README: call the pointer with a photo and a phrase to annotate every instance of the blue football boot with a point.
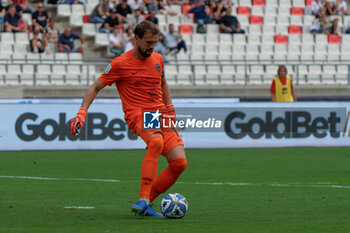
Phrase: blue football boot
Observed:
(150, 212)
(139, 208)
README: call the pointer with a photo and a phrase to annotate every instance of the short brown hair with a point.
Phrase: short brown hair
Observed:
(146, 26)
(282, 67)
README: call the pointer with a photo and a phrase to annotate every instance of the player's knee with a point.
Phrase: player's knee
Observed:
(178, 165)
(156, 144)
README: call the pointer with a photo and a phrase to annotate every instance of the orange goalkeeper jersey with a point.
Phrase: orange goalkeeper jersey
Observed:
(138, 81)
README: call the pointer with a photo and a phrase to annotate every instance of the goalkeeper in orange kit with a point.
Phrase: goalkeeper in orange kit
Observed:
(139, 78)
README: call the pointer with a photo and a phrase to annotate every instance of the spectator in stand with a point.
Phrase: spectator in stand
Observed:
(14, 22)
(2, 15)
(24, 5)
(19, 9)
(136, 4)
(66, 42)
(135, 18)
(173, 41)
(123, 10)
(201, 12)
(328, 25)
(40, 18)
(151, 5)
(110, 22)
(329, 8)
(219, 10)
(316, 26)
(39, 42)
(282, 87)
(348, 29)
(52, 32)
(129, 40)
(116, 42)
(164, 7)
(152, 17)
(230, 23)
(342, 8)
(159, 47)
(100, 12)
(316, 7)
(71, 2)
(112, 4)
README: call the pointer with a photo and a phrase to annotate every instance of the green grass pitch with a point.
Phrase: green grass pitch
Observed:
(276, 190)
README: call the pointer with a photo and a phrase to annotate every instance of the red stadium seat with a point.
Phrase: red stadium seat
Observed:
(294, 29)
(86, 18)
(186, 8)
(253, 19)
(281, 39)
(308, 2)
(297, 11)
(258, 2)
(186, 29)
(334, 39)
(243, 10)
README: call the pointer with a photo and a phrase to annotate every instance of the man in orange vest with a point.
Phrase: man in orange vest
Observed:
(282, 87)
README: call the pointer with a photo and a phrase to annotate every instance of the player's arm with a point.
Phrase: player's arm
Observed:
(91, 93)
(166, 92)
(79, 120)
(167, 100)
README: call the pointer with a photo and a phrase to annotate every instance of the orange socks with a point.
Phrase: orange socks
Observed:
(167, 177)
(149, 165)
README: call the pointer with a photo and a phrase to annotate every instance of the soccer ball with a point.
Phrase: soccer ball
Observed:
(174, 205)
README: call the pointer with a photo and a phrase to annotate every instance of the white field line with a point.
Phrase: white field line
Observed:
(317, 185)
(79, 207)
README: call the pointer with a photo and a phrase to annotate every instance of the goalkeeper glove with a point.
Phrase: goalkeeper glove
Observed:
(78, 121)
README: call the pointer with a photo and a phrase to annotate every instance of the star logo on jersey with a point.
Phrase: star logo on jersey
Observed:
(158, 67)
(151, 120)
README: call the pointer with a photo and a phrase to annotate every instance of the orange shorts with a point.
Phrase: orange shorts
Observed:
(171, 136)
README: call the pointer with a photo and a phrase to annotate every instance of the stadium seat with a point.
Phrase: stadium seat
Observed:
(101, 39)
(186, 8)
(33, 58)
(257, 10)
(88, 29)
(296, 20)
(243, 10)
(253, 19)
(63, 10)
(21, 38)
(294, 29)
(258, 2)
(7, 38)
(297, 11)
(283, 10)
(308, 2)
(173, 19)
(334, 39)
(86, 18)
(47, 58)
(285, 3)
(185, 20)
(186, 29)
(245, 3)
(76, 20)
(75, 58)
(281, 39)
(273, 3)
(61, 58)
(298, 3)
(27, 77)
